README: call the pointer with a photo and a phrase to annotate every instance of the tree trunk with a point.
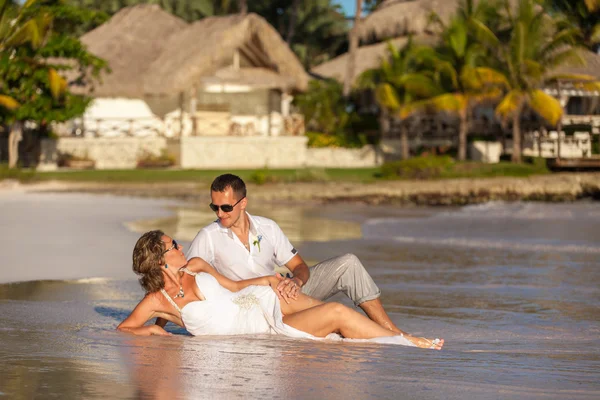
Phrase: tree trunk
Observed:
(516, 152)
(14, 137)
(404, 140)
(384, 122)
(353, 39)
(462, 138)
(558, 131)
(292, 26)
(243, 6)
(543, 133)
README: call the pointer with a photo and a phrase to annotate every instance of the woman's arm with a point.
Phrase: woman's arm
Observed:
(134, 323)
(199, 265)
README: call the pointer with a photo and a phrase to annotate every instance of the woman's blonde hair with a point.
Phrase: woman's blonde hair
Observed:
(148, 256)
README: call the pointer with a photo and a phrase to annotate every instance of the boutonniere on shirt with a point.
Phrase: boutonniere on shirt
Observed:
(257, 241)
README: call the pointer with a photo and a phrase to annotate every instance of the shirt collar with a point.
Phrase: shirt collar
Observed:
(253, 227)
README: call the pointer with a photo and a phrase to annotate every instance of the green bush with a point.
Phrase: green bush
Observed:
(147, 159)
(321, 140)
(417, 167)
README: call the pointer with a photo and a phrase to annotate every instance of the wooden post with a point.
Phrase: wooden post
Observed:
(269, 113)
(180, 114)
(353, 50)
(543, 132)
(193, 107)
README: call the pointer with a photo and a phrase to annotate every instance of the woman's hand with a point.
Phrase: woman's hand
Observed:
(148, 330)
(286, 288)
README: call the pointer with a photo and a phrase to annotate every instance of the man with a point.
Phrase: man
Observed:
(242, 246)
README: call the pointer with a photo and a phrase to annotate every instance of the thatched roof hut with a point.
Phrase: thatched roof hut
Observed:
(211, 44)
(395, 18)
(367, 57)
(130, 41)
(151, 52)
(590, 66)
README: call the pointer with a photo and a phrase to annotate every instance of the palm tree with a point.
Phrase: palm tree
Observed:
(536, 46)
(583, 15)
(353, 49)
(398, 83)
(26, 26)
(464, 72)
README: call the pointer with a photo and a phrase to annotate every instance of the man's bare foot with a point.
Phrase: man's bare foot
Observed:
(424, 343)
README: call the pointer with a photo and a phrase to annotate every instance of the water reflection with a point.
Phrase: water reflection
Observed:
(300, 224)
(154, 366)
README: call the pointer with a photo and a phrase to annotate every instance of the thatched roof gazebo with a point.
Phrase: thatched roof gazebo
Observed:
(237, 42)
(367, 57)
(395, 18)
(152, 52)
(130, 41)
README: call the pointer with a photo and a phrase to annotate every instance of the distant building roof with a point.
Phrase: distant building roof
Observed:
(153, 52)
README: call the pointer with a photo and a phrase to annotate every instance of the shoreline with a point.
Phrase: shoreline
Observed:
(564, 187)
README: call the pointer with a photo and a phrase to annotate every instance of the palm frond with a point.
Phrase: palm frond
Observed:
(592, 5)
(386, 96)
(475, 79)
(546, 106)
(57, 83)
(571, 77)
(569, 56)
(510, 104)
(483, 33)
(595, 35)
(488, 96)
(419, 85)
(8, 102)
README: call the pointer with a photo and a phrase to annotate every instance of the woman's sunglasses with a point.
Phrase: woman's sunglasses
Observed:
(225, 207)
(174, 246)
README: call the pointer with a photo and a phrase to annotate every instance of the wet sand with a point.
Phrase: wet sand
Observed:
(519, 321)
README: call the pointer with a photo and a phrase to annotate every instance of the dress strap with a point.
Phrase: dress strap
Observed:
(170, 300)
(187, 271)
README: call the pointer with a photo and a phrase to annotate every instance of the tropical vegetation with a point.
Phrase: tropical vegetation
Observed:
(491, 54)
(34, 63)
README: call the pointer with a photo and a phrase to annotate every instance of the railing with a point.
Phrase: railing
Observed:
(175, 125)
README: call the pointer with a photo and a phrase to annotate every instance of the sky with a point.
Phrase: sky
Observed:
(348, 5)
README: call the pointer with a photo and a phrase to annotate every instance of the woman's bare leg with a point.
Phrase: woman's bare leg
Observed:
(335, 317)
(303, 302)
(327, 318)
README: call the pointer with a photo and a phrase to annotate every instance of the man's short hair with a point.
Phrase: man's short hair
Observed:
(222, 182)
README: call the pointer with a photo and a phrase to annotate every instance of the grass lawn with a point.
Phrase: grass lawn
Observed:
(172, 175)
(415, 168)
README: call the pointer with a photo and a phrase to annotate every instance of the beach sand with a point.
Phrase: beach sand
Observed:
(519, 316)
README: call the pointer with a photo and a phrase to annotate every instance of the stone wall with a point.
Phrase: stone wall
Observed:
(201, 152)
(108, 153)
(242, 152)
(366, 156)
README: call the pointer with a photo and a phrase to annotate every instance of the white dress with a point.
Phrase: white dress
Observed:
(253, 310)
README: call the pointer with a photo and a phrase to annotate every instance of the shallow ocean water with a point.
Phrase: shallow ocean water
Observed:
(513, 288)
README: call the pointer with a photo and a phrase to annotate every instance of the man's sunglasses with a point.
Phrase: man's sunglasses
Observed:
(174, 246)
(225, 207)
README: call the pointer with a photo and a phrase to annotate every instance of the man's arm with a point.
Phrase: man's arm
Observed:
(289, 288)
(299, 269)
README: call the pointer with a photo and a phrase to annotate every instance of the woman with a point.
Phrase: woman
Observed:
(207, 303)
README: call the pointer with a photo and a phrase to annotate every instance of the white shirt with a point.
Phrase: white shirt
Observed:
(221, 248)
